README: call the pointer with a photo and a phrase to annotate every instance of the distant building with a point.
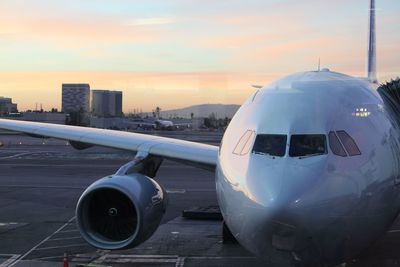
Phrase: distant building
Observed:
(75, 103)
(197, 123)
(109, 123)
(7, 106)
(75, 98)
(106, 103)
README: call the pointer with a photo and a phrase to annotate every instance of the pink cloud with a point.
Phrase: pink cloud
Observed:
(76, 33)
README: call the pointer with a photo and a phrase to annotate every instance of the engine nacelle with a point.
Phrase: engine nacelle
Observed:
(79, 145)
(120, 212)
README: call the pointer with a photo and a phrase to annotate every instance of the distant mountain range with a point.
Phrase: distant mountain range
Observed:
(205, 110)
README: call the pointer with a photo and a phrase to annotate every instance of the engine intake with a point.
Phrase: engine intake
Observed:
(120, 212)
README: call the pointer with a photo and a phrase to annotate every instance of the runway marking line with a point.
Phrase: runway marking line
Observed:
(65, 238)
(68, 231)
(17, 260)
(219, 258)
(12, 258)
(122, 259)
(66, 246)
(42, 187)
(48, 258)
(25, 154)
(111, 256)
(180, 262)
(16, 156)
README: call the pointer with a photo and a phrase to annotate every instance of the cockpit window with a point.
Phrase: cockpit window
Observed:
(341, 142)
(349, 143)
(306, 145)
(248, 144)
(243, 146)
(270, 144)
(335, 145)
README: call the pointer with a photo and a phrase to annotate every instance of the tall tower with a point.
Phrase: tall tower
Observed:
(372, 45)
(75, 97)
(106, 103)
(75, 102)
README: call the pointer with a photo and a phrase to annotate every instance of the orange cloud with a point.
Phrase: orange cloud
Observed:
(150, 21)
(141, 90)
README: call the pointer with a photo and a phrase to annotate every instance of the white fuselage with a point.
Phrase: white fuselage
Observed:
(325, 205)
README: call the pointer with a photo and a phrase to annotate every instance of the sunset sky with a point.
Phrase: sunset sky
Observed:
(175, 53)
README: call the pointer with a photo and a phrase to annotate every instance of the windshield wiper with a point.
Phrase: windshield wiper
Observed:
(264, 154)
(311, 155)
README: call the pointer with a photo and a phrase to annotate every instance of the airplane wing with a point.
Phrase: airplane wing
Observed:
(184, 151)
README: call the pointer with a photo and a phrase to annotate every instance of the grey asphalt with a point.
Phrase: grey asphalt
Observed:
(41, 183)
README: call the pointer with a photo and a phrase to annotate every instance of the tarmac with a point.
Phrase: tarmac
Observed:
(42, 179)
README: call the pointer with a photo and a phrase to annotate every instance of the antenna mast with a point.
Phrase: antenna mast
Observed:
(319, 64)
(372, 45)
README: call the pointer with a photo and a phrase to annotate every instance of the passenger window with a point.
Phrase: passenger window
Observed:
(335, 145)
(307, 145)
(270, 144)
(348, 143)
(242, 142)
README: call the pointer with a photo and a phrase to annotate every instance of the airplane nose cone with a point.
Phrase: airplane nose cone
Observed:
(277, 194)
(282, 185)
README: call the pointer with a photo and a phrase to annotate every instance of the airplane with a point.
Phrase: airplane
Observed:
(164, 123)
(169, 125)
(160, 124)
(308, 170)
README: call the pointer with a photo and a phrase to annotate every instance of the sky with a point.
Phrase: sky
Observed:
(177, 53)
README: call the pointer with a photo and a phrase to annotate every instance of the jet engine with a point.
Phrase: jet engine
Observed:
(120, 211)
(80, 145)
